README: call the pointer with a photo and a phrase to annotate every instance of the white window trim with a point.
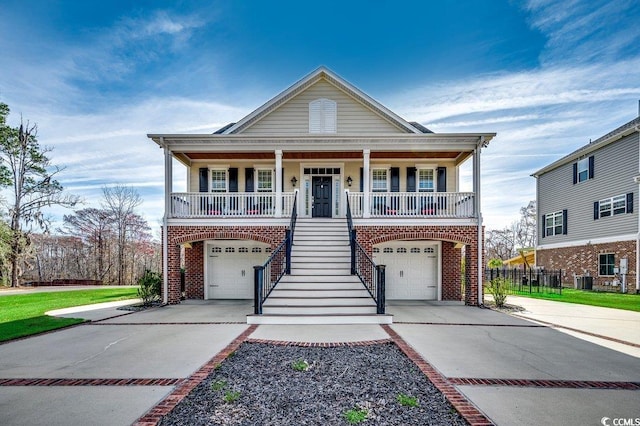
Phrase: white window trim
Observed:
(257, 179)
(388, 178)
(555, 215)
(583, 166)
(226, 179)
(610, 202)
(433, 180)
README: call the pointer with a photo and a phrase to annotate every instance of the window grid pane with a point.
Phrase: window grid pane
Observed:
(583, 170)
(425, 180)
(265, 181)
(379, 183)
(606, 264)
(553, 224)
(218, 180)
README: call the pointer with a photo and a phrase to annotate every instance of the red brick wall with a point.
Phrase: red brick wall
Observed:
(194, 271)
(194, 257)
(368, 236)
(451, 272)
(577, 260)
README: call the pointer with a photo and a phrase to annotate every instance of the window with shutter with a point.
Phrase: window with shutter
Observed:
(322, 116)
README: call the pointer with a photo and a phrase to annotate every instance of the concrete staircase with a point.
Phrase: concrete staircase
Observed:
(320, 289)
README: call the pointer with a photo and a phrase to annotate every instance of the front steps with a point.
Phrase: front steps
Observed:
(320, 289)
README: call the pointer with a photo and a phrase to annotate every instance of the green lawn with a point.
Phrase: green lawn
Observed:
(23, 314)
(629, 302)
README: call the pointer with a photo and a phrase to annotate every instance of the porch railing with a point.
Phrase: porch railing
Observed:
(414, 204)
(371, 275)
(229, 204)
(267, 276)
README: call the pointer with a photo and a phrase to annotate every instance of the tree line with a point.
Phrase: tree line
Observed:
(112, 244)
(506, 243)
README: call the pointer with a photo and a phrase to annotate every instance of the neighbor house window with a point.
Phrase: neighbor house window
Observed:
(218, 180)
(425, 180)
(553, 223)
(379, 180)
(322, 116)
(606, 264)
(265, 180)
(620, 204)
(583, 169)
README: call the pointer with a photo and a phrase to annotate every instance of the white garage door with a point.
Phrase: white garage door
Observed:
(230, 267)
(411, 269)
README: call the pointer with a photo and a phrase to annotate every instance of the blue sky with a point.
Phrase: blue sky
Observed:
(96, 77)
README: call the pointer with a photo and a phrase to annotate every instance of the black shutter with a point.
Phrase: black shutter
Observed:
(233, 179)
(543, 225)
(442, 179)
(564, 222)
(361, 179)
(591, 165)
(596, 210)
(411, 179)
(204, 179)
(248, 180)
(575, 173)
(282, 183)
(395, 179)
(630, 202)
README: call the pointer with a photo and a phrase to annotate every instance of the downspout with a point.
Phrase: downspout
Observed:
(165, 230)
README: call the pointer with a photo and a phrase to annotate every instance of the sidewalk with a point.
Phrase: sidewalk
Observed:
(613, 328)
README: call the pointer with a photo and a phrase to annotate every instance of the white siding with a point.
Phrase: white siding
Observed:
(293, 116)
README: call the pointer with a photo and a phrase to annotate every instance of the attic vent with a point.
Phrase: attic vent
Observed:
(322, 116)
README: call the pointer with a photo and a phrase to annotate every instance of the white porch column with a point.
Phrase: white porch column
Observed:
(476, 190)
(278, 183)
(366, 201)
(168, 182)
(168, 188)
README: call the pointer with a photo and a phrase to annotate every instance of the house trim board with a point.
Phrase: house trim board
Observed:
(584, 242)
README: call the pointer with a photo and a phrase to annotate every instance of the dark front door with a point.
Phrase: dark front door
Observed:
(321, 196)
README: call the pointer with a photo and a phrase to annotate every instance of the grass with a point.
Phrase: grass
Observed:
(356, 415)
(300, 365)
(407, 400)
(628, 302)
(23, 314)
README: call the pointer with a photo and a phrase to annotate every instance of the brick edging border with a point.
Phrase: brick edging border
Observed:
(320, 344)
(162, 408)
(91, 382)
(467, 410)
(543, 383)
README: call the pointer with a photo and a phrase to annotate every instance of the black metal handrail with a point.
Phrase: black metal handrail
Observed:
(371, 275)
(267, 276)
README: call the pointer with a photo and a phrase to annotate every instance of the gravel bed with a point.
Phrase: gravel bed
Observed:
(271, 392)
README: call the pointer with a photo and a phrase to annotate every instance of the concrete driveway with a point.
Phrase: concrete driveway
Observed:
(113, 370)
(153, 350)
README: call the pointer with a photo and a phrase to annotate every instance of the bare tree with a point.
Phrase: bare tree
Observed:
(527, 226)
(505, 243)
(93, 226)
(26, 167)
(121, 201)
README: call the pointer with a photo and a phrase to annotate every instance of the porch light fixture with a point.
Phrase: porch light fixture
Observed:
(349, 181)
(294, 181)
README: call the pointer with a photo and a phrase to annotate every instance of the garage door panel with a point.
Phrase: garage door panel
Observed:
(411, 269)
(230, 268)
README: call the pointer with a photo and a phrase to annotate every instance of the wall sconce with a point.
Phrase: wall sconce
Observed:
(349, 181)
(294, 181)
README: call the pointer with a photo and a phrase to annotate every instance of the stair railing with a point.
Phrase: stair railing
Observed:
(371, 275)
(268, 275)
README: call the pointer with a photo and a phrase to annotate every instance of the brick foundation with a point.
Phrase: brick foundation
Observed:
(194, 256)
(576, 260)
(368, 236)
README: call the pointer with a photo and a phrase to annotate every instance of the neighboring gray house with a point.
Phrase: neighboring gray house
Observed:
(588, 211)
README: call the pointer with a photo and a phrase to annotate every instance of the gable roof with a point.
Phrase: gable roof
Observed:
(613, 136)
(306, 82)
